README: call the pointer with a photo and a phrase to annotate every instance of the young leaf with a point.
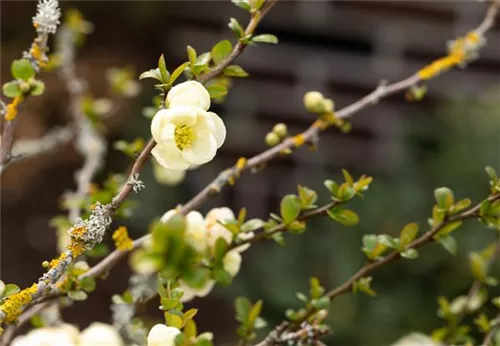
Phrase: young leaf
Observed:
(177, 72)
(348, 177)
(444, 197)
(37, 88)
(345, 217)
(11, 89)
(163, 69)
(10, 289)
(242, 4)
(22, 69)
(234, 71)
(478, 266)
(155, 74)
(221, 50)
(242, 306)
(252, 225)
(290, 208)
(265, 38)
(191, 55)
(408, 233)
(410, 254)
(173, 320)
(449, 243)
(77, 295)
(216, 90)
(236, 27)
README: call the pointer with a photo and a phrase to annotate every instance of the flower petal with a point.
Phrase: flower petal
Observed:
(204, 122)
(167, 133)
(159, 121)
(182, 115)
(190, 93)
(203, 149)
(220, 129)
(169, 157)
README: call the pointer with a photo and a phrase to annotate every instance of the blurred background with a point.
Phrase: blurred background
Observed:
(342, 48)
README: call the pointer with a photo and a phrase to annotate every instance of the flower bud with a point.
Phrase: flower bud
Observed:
(328, 105)
(280, 129)
(313, 101)
(272, 139)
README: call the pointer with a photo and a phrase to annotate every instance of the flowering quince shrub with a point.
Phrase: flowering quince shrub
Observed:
(185, 254)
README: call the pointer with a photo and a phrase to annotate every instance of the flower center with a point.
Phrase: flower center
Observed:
(183, 137)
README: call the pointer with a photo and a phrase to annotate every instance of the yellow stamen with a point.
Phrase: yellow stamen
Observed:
(183, 137)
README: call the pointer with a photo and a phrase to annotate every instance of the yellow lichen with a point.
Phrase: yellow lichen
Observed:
(241, 163)
(299, 140)
(122, 240)
(77, 248)
(11, 112)
(12, 305)
(459, 53)
(55, 261)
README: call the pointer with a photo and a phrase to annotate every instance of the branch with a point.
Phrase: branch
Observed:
(488, 339)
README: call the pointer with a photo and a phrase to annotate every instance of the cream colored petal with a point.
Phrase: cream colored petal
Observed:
(232, 262)
(205, 290)
(169, 157)
(220, 129)
(204, 122)
(161, 335)
(195, 231)
(157, 124)
(100, 334)
(182, 115)
(190, 93)
(244, 236)
(170, 177)
(168, 215)
(203, 149)
(167, 134)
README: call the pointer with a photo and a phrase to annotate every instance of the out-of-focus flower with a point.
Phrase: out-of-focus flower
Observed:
(195, 228)
(214, 228)
(167, 176)
(232, 262)
(314, 101)
(62, 335)
(161, 335)
(100, 334)
(185, 133)
(191, 293)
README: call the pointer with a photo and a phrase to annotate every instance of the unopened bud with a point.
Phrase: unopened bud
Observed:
(328, 105)
(272, 139)
(280, 129)
(313, 101)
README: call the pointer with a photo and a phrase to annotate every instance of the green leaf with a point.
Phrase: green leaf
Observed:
(321, 303)
(252, 225)
(460, 205)
(478, 266)
(449, 243)
(259, 323)
(10, 289)
(408, 233)
(221, 50)
(492, 174)
(177, 72)
(410, 254)
(242, 306)
(216, 90)
(242, 4)
(203, 59)
(444, 197)
(254, 313)
(236, 27)
(155, 74)
(364, 285)
(307, 197)
(265, 38)
(37, 88)
(163, 69)
(219, 250)
(347, 177)
(315, 288)
(235, 71)
(223, 277)
(173, 320)
(22, 69)
(290, 208)
(256, 4)
(189, 315)
(77, 295)
(345, 217)
(100, 250)
(191, 56)
(296, 227)
(88, 284)
(445, 230)
(11, 89)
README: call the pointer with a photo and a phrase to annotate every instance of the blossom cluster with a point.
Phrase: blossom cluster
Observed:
(202, 233)
(95, 334)
(186, 133)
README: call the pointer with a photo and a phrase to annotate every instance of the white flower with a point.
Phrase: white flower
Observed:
(195, 228)
(214, 228)
(63, 335)
(47, 16)
(167, 176)
(161, 335)
(185, 133)
(190, 93)
(100, 334)
(191, 293)
(232, 262)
